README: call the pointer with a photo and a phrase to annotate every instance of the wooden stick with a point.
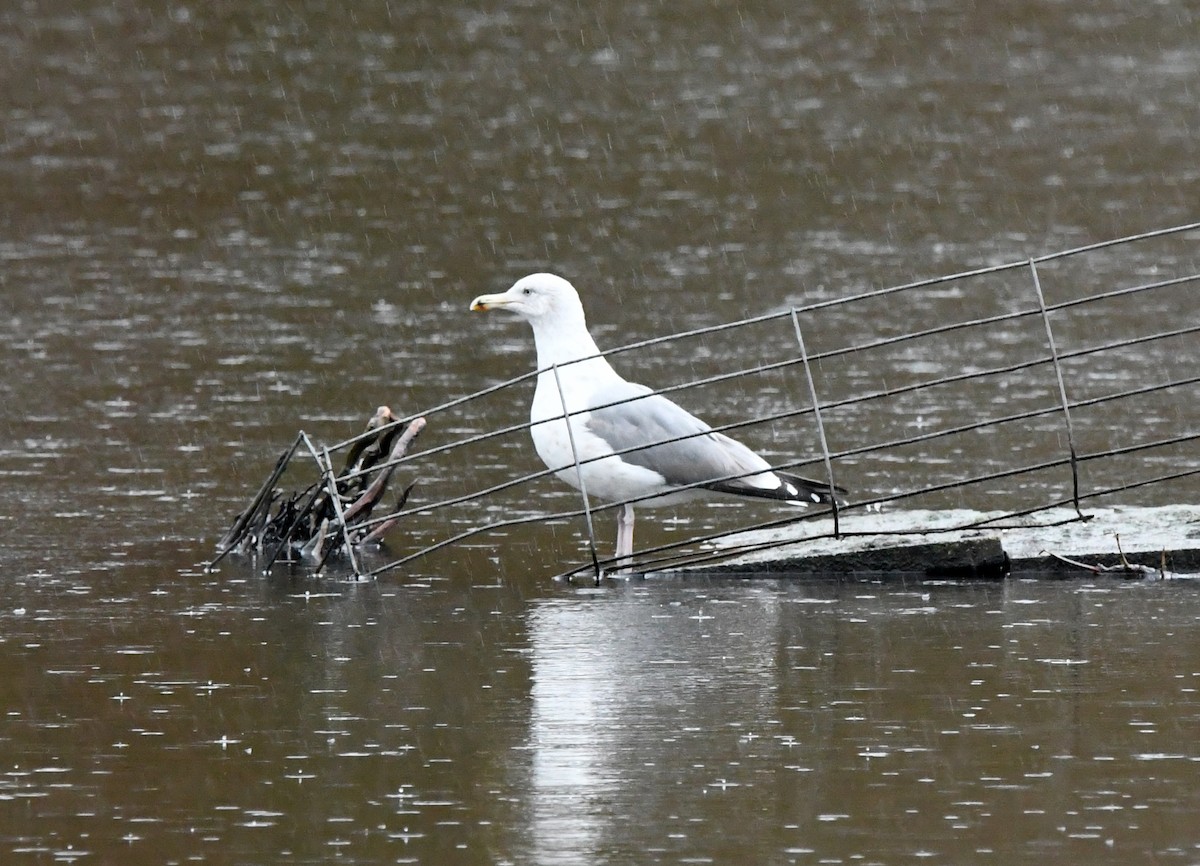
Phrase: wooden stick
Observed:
(383, 415)
(379, 531)
(371, 495)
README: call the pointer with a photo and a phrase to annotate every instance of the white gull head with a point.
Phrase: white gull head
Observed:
(540, 299)
(552, 306)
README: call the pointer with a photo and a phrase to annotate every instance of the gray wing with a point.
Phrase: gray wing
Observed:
(652, 419)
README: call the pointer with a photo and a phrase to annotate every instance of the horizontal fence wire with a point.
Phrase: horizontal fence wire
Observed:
(777, 416)
(767, 317)
(649, 562)
(523, 480)
(764, 368)
(1083, 330)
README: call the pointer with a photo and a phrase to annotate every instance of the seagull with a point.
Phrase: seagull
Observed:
(594, 454)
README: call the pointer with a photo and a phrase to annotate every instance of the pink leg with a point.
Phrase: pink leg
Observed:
(624, 552)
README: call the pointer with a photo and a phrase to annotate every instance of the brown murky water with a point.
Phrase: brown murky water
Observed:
(223, 222)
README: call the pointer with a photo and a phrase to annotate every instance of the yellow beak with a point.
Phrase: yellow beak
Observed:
(489, 302)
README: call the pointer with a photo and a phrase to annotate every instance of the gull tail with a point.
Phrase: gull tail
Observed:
(791, 489)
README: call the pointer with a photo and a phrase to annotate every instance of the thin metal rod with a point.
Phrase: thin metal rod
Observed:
(1062, 387)
(1122, 292)
(1143, 236)
(850, 452)
(326, 468)
(820, 356)
(1141, 446)
(833, 302)
(816, 408)
(474, 531)
(587, 509)
(834, 404)
(727, 552)
(340, 512)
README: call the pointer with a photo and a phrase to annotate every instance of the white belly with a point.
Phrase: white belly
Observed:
(608, 478)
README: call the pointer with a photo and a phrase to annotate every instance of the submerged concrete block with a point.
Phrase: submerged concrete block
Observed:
(965, 544)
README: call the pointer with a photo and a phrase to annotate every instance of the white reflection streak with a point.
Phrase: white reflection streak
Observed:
(574, 684)
(617, 683)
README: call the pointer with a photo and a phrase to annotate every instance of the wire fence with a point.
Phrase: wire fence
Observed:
(1057, 380)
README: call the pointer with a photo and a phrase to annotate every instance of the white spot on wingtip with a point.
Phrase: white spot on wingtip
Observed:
(816, 498)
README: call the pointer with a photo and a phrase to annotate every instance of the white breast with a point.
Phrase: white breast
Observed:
(610, 478)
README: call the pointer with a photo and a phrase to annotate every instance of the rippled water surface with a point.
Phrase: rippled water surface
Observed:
(225, 222)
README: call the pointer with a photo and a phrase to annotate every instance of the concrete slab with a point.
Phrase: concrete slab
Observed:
(935, 544)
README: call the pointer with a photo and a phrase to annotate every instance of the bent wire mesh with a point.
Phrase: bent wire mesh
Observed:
(1066, 378)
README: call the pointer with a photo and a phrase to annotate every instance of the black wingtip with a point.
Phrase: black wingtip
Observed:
(793, 489)
(817, 492)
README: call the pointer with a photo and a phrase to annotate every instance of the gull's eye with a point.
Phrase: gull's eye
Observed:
(526, 291)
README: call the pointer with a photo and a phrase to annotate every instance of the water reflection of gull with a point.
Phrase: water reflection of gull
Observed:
(617, 684)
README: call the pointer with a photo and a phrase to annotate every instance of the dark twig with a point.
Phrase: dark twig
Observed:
(366, 502)
(245, 521)
(379, 531)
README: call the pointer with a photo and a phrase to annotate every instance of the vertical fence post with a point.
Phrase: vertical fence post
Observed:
(587, 509)
(816, 404)
(326, 466)
(1062, 388)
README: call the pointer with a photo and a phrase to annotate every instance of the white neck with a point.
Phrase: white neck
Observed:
(566, 342)
(560, 343)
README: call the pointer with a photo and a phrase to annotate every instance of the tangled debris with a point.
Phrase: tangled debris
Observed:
(332, 513)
